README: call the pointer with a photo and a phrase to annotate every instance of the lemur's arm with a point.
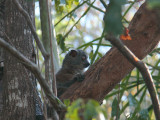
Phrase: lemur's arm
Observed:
(63, 86)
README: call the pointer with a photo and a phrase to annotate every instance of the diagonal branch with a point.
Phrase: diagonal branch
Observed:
(142, 68)
(25, 14)
(104, 4)
(107, 72)
(35, 70)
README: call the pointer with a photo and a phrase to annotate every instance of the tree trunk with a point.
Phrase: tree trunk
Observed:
(101, 77)
(18, 89)
(1, 51)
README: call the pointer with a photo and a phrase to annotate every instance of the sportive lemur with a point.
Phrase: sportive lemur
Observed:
(72, 70)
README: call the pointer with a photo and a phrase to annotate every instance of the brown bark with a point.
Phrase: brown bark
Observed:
(19, 94)
(1, 51)
(111, 68)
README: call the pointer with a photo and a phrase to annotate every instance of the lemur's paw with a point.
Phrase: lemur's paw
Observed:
(79, 77)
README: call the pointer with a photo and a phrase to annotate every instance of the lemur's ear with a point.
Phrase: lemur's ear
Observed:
(73, 53)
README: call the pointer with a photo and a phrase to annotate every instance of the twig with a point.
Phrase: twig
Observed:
(69, 13)
(142, 68)
(96, 52)
(47, 78)
(96, 8)
(59, 106)
(54, 87)
(45, 39)
(87, 44)
(78, 20)
(128, 9)
(25, 14)
(104, 4)
(37, 53)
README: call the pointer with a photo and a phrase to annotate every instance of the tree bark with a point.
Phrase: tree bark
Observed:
(1, 52)
(101, 77)
(18, 90)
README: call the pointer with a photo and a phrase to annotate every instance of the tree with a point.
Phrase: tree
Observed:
(18, 82)
(101, 77)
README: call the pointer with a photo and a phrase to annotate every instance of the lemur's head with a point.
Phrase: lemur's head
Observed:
(76, 59)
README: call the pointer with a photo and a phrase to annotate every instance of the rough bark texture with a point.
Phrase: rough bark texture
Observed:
(1, 51)
(18, 97)
(110, 69)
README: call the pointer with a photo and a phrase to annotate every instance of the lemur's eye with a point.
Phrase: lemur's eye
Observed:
(83, 57)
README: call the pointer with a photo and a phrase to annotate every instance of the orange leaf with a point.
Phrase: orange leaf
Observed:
(123, 37)
(126, 35)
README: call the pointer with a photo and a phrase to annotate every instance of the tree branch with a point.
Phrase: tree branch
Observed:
(54, 85)
(142, 68)
(102, 76)
(59, 106)
(25, 14)
(104, 4)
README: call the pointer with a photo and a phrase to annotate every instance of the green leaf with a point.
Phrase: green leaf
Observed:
(115, 108)
(72, 111)
(91, 54)
(153, 4)
(143, 114)
(132, 100)
(60, 41)
(156, 77)
(100, 54)
(67, 102)
(104, 113)
(58, 7)
(70, 3)
(90, 109)
(82, 109)
(113, 17)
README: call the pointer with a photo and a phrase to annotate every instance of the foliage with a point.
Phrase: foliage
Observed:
(60, 41)
(60, 5)
(115, 109)
(153, 4)
(86, 110)
(112, 18)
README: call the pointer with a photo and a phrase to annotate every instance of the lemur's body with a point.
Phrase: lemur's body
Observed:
(72, 69)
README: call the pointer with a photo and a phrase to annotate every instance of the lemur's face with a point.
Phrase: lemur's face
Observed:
(85, 61)
(77, 59)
